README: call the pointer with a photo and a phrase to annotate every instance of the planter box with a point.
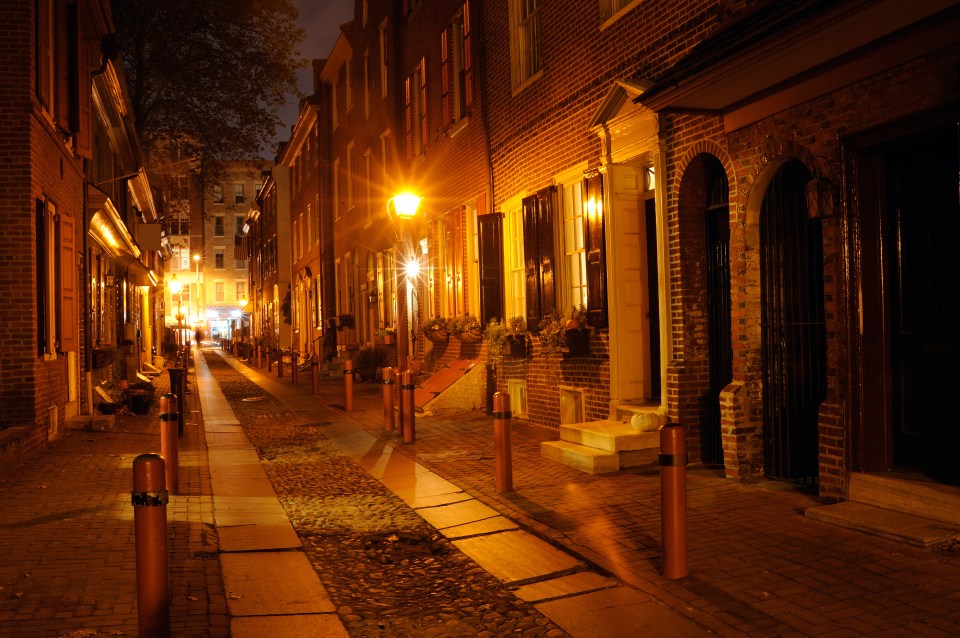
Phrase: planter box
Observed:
(515, 346)
(470, 336)
(578, 342)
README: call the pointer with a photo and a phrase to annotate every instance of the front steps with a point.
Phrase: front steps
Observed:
(597, 447)
(904, 508)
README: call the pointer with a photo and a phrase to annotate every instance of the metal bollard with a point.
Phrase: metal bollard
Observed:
(388, 384)
(280, 363)
(348, 384)
(169, 428)
(407, 387)
(294, 364)
(149, 498)
(176, 387)
(315, 372)
(501, 441)
(269, 361)
(259, 356)
(673, 500)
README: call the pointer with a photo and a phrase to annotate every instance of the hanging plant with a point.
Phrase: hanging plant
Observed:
(466, 328)
(436, 330)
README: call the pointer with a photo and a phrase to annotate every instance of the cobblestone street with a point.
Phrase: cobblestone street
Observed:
(388, 572)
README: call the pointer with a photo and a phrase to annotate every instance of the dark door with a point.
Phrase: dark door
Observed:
(793, 338)
(921, 223)
(718, 313)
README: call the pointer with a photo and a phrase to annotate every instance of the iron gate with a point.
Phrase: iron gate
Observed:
(718, 309)
(793, 335)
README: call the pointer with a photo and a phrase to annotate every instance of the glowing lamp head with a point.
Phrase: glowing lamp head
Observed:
(412, 268)
(175, 285)
(405, 205)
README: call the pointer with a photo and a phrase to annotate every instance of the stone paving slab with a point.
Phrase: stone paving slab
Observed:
(517, 557)
(478, 528)
(272, 583)
(456, 514)
(410, 488)
(300, 626)
(564, 586)
(617, 612)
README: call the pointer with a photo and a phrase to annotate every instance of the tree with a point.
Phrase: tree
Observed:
(211, 74)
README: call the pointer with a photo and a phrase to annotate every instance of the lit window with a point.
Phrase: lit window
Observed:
(217, 194)
(524, 40)
(238, 193)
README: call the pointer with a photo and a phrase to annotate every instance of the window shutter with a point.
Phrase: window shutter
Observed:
(408, 113)
(490, 231)
(448, 284)
(458, 259)
(62, 72)
(446, 77)
(548, 292)
(44, 51)
(68, 317)
(84, 89)
(467, 58)
(531, 260)
(594, 247)
(424, 133)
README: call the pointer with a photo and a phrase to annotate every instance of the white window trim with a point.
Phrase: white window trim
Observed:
(514, 274)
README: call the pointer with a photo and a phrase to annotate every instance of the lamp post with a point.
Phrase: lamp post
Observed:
(176, 288)
(199, 316)
(404, 207)
(243, 304)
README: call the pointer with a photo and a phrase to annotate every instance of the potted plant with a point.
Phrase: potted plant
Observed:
(387, 335)
(576, 333)
(551, 334)
(466, 328)
(139, 397)
(436, 330)
(505, 338)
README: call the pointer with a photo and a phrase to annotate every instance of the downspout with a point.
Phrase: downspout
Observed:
(483, 105)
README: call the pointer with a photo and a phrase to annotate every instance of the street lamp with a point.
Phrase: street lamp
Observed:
(199, 315)
(404, 207)
(176, 288)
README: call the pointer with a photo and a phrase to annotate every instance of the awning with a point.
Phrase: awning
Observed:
(110, 233)
(782, 54)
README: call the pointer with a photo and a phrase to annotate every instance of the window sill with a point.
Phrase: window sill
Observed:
(523, 85)
(458, 126)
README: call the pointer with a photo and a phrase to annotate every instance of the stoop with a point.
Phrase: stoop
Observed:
(602, 446)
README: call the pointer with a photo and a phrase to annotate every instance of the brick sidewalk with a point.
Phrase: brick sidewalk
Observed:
(758, 567)
(66, 535)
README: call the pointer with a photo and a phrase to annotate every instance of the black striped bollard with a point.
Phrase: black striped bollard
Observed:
(501, 441)
(149, 499)
(388, 384)
(408, 425)
(348, 384)
(315, 372)
(673, 500)
(169, 430)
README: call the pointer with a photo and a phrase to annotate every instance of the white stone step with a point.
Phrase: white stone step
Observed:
(879, 521)
(913, 494)
(580, 457)
(611, 436)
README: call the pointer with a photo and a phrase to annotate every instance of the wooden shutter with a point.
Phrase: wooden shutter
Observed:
(408, 115)
(84, 124)
(490, 236)
(446, 76)
(424, 133)
(595, 250)
(531, 260)
(548, 287)
(467, 58)
(453, 261)
(68, 316)
(44, 51)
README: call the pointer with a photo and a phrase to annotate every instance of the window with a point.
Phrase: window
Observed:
(217, 194)
(239, 264)
(257, 188)
(240, 290)
(218, 225)
(218, 258)
(366, 84)
(218, 292)
(348, 86)
(238, 193)
(456, 68)
(449, 233)
(335, 102)
(575, 263)
(57, 294)
(239, 221)
(337, 207)
(515, 282)
(349, 176)
(524, 40)
(309, 224)
(610, 8)
(415, 108)
(368, 194)
(384, 58)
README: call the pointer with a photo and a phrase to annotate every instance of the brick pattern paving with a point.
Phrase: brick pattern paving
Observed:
(67, 555)
(758, 567)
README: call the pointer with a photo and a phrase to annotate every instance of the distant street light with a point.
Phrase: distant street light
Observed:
(403, 206)
(176, 288)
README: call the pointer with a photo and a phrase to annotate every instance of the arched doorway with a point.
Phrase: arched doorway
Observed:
(718, 308)
(793, 335)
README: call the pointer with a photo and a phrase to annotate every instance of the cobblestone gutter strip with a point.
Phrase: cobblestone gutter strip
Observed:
(387, 570)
